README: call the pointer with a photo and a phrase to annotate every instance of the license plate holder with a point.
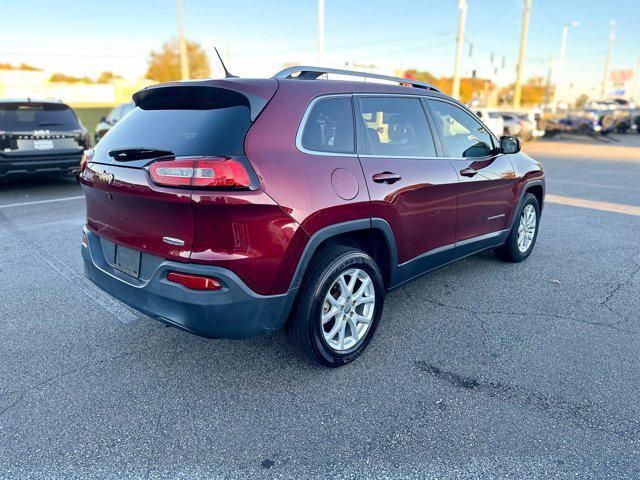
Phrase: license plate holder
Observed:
(127, 260)
(43, 144)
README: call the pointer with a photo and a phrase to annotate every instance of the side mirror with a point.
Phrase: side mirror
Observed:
(509, 144)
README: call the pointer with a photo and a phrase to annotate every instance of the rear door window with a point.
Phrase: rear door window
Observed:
(463, 136)
(329, 126)
(395, 127)
(34, 116)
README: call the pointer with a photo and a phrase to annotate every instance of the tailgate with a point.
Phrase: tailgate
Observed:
(41, 144)
(126, 207)
(169, 122)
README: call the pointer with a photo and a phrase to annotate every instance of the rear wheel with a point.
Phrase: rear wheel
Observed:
(524, 233)
(339, 307)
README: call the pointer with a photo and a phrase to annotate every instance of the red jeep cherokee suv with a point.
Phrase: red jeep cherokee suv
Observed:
(235, 207)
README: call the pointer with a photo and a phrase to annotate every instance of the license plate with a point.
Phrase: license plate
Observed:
(43, 144)
(127, 260)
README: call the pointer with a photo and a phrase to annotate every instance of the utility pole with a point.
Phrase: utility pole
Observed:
(462, 5)
(523, 46)
(320, 31)
(559, 79)
(607, 62)
(184, 58)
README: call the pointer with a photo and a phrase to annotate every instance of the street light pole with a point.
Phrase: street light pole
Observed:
(184, 58)
(320, 31)
(634, 89)
(462, 5)
(523, 45)
(547, 91)
(607, 62)
(563, 47)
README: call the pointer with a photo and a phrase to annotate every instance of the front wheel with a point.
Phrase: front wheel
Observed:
(340, 304)
(524, 233)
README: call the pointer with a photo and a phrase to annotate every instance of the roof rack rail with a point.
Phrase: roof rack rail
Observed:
(312, 73)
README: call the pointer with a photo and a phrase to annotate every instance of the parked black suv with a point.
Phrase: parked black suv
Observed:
(40, 136)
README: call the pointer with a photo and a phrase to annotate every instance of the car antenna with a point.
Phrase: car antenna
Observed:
(226, 72)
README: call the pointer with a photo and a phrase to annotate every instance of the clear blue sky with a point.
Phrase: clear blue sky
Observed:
(86, 37)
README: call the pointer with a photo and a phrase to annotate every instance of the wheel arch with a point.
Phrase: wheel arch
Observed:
(536, 187)
(374, 236)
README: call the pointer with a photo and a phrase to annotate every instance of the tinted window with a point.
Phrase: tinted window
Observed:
(396, 127)
(114, 115)
(463, 136)
(120, 111)
(329, 126)
(216, 128)
(20, 117)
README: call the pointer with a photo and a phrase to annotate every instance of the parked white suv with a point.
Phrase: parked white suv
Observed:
(492, 119)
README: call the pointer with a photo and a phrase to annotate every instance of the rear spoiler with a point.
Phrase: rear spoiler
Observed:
(207, 94)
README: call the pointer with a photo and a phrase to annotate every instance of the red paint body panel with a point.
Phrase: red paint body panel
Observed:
(420, 207)
(300, 182)
(134, 212)
(248, 233)
(486, 200)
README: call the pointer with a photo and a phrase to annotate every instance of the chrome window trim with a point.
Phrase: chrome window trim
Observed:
(303, 123)
(404, 157)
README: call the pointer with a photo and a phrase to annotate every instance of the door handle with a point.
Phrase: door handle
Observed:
(386, 177)
(468, 172)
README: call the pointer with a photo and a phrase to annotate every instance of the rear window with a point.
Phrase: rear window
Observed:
(24, 117)
(329, 126)
(188, 121)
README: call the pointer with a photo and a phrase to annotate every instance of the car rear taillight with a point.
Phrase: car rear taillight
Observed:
(86, 158)
(205, 172)
(194, 282)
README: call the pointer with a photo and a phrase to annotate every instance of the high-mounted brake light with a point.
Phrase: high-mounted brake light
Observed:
(194, 282)
(205, 172)
(86, 158)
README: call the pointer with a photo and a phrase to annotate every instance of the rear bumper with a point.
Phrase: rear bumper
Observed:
(66, 164)
(235, 311)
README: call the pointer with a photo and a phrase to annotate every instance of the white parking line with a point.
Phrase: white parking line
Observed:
(39, 202)
(594, 205)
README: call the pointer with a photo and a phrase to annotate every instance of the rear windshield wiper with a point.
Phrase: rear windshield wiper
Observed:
(135, 153)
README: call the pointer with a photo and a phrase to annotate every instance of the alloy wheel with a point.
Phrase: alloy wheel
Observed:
(526, 228)
(348, 308)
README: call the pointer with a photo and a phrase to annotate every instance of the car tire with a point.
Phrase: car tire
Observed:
(316, 317)
(522, 239)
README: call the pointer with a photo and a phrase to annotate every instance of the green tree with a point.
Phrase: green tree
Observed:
(533, 92)
(164, 65)
(22, 66)
(106, 77)
(581, 100)
(61, 77)
(469, 87)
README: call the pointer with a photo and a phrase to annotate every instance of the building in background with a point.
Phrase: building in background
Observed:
(38, 84)
(621, 84)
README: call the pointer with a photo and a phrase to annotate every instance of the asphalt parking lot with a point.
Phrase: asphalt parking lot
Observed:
(479, 369)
